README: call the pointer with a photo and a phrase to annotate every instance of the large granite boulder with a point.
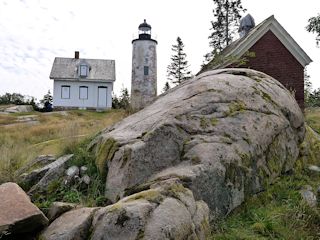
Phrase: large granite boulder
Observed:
(17, 214)
(225, 134)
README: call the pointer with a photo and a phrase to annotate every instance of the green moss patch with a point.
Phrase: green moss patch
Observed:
(204, 123)
(235, 107)
(151, 195)
(105, 153)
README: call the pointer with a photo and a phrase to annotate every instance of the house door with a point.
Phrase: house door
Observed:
(102, 97)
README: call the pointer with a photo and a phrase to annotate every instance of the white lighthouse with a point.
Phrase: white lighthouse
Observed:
(144, 68)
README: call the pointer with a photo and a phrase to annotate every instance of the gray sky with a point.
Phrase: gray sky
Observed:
(33, 32)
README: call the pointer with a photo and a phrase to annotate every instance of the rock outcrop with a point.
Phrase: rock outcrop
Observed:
(74, 224)
(165, 211)
(17, 214)
(58, 208)
(19, 109)
(40, 178)
(225, 135)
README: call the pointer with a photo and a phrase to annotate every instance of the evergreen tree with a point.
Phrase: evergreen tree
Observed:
(177, 71)
(115, 102)
(166, 87)
(227, 14)
(314, 27)
(47, 102)
(307, 87)
(124, 99)
(47, 98)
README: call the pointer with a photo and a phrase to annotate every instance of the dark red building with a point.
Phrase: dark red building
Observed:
(276, 54)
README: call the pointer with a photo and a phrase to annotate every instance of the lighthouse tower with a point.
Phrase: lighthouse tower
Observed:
(144, 68)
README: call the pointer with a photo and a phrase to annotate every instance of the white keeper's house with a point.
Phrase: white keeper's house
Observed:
(82, 83)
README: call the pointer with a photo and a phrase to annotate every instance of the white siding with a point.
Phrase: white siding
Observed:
(74, 100)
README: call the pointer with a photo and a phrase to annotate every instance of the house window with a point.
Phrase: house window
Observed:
(83, 70)
(83, 92)
(146, 70)
(65, 92)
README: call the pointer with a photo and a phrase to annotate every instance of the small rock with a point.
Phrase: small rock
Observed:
(86, 179)
(74, 224)
(314, 168)
(72, 171)
(83, 170)
(58, 208)
(309, 197)
(17, 213)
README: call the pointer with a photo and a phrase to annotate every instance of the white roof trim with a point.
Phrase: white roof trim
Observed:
(273, 25)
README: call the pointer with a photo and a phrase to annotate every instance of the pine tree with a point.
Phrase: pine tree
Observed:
(47, 98)
(227, 15)
(124, 99)
(314, 27)
(47, 102)
(166, 87)
(177, 71)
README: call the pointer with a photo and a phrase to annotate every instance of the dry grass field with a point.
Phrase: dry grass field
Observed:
(52, 133)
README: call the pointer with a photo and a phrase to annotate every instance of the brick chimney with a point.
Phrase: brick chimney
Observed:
(76, 54)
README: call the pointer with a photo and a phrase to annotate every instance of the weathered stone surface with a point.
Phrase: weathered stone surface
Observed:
(17, 213)
(47, 174)
(19, 108)
(74, 224)
(314, 168)
(166, 211)
(72, 171)
(308, 196)
(41, 161)
(225, 134)
(83, 171)
(58, 208)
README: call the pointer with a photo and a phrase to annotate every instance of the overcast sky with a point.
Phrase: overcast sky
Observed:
(33, 32)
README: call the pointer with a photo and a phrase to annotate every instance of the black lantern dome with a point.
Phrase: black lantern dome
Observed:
(144, 30)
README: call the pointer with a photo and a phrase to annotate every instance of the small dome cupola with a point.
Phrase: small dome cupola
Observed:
(246, 24)
(144, 30)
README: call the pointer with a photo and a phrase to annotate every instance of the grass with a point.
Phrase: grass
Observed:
(312, 116)
(55, 134)
(90, 196)
(280, 212)
(277, 213)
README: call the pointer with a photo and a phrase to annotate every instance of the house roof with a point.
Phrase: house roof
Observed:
(239, 47)
(67, 69)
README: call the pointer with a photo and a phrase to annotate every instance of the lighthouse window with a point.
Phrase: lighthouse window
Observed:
(146, 70)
